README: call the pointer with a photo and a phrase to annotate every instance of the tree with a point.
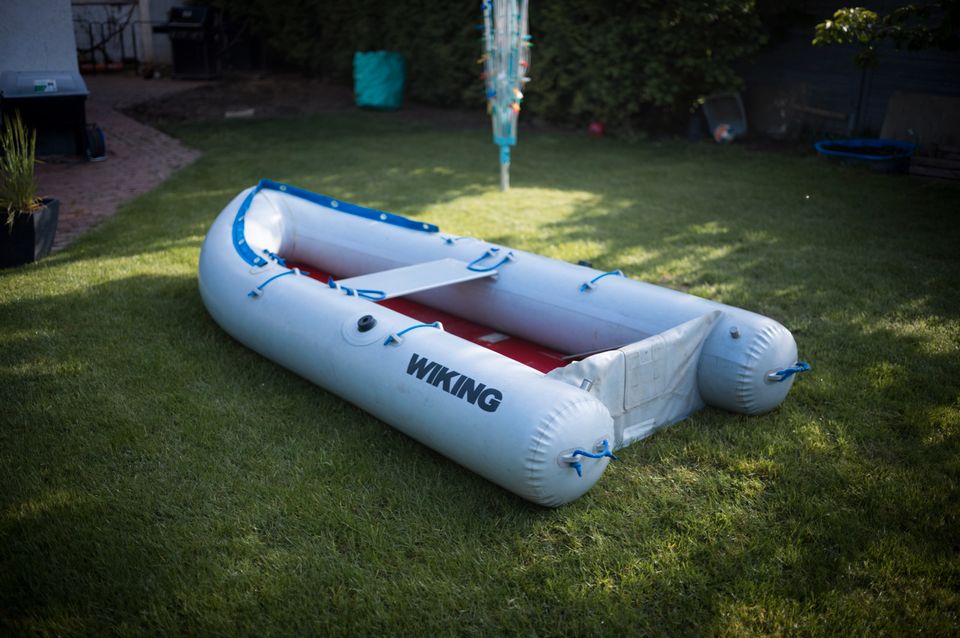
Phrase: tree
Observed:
(931, 25)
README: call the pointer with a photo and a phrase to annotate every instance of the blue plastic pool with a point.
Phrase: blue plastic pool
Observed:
(885, 156)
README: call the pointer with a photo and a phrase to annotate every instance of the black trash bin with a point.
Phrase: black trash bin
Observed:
(194, 40)
(51, 102)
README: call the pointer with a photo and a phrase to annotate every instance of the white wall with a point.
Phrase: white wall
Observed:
(156, 47)
(37, 35)
(94, 22)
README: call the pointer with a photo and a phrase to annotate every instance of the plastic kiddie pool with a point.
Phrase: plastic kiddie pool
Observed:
(883, 156)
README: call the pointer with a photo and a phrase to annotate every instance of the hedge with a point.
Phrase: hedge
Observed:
(626, 63)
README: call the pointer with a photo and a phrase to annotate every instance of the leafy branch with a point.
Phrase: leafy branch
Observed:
(933, 25)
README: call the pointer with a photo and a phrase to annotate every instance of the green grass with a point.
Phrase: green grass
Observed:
(156, 477)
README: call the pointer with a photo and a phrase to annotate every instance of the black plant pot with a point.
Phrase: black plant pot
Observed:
(31, 237)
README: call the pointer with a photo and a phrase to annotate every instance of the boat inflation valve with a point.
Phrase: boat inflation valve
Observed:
(366, 323)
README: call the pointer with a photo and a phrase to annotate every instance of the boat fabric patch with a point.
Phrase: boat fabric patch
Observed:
(647, 384)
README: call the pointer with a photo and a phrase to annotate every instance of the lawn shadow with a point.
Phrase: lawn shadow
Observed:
(207, 453)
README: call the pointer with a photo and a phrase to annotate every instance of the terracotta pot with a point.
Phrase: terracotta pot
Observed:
(31, 237)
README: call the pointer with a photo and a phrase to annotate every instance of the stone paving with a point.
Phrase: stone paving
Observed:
(138, 157)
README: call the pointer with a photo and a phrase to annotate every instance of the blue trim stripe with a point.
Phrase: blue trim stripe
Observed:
(249, 256)
(239, 241)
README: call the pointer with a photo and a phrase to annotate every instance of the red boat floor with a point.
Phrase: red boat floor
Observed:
(526, 352)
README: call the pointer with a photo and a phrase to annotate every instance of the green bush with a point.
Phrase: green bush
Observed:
(627, 63)
(637, 63)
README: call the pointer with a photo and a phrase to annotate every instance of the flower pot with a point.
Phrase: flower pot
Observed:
(31, 237)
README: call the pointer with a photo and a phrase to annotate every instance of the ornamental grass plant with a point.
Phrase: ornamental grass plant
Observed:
(18, 184)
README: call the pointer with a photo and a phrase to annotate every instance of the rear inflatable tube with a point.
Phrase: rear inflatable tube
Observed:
(541, 300)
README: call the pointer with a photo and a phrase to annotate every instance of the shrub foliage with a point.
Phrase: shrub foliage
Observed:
(624, 62)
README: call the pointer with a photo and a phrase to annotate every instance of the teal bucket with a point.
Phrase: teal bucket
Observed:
(378, 78)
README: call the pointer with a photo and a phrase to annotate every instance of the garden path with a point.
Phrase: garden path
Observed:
(138, 157)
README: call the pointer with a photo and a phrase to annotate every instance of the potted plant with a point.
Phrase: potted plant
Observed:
(29, 222)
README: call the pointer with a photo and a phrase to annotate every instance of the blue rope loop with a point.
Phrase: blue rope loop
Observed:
(590, 285)
(372, 295)
(258, 291)
(779, 376)
(604, 452)
(397, 336)
(489, 253)
(453, 240)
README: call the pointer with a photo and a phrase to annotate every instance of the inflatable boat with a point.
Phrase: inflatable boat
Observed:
(530, 371)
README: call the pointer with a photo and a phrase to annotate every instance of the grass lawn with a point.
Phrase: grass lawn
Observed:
(156, 477)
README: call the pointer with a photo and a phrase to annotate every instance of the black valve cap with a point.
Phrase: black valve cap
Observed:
(366, 323)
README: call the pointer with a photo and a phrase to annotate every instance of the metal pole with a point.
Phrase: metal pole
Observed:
(504, 168)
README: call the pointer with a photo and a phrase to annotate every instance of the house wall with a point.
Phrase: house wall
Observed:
(156, 49)
(106, 33)
(94, 17)
(37, 35)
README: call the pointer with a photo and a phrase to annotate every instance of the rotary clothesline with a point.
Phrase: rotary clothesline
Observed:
(506, 59)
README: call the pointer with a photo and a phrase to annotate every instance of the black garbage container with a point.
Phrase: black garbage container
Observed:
(51, 102)
(194, 42)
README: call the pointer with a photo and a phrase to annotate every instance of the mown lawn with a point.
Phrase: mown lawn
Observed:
(158, 478)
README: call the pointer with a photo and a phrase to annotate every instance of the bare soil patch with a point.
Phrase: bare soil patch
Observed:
(281, 95)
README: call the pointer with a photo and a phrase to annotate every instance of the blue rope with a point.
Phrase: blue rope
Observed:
(372, 295)
(604, 453)
(256, 292)
(396, 337)
(786, 373)
(493, 251)
(592, 283)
